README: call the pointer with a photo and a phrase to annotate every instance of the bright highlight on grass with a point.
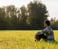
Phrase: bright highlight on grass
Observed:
(25, 40)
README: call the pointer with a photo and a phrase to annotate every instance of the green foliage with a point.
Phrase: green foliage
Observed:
(2, 17)
(13, 20)
(30, 17)
(23, 14)
(55, 25)
(37, 13)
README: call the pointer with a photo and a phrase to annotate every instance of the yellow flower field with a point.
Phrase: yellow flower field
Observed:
(24, 39)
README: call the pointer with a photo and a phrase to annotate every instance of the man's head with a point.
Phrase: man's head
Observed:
(46, 23)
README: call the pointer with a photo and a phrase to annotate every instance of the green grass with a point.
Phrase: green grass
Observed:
(25, 40)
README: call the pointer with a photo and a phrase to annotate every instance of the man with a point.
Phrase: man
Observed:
(47, 34)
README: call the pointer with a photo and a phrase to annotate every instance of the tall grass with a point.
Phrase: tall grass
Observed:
(25, 40)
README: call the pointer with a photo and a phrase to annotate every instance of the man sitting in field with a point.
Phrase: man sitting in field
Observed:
(47, 34)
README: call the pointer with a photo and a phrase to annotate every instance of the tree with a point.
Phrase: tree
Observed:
(14, 20)
(31, 16)
(23, 15)
(2, 17)
(11, 11)
(37, 13)
(54, 23)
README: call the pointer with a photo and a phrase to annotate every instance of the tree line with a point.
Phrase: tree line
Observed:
(24, 18)
(54, 23)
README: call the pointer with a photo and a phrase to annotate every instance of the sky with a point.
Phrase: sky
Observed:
(52, 5)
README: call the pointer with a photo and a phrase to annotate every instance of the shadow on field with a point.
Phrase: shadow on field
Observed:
(52, 42)
(55, 42)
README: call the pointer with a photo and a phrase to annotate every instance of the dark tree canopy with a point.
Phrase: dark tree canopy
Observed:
(37, 13)
(30, 17)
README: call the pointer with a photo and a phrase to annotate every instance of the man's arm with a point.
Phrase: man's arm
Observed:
(41, 32)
